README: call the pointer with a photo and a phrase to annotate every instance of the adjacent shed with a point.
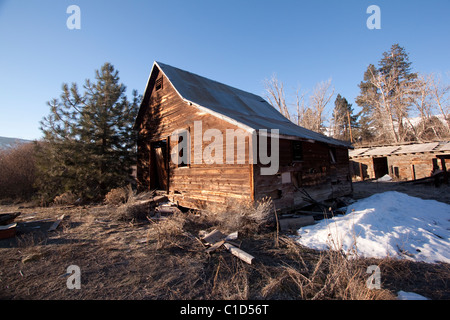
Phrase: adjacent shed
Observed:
(225, 125)
(402, 162)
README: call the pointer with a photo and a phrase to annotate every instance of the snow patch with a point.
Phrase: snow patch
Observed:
(403, 295)
(386, 177)
(389, 224)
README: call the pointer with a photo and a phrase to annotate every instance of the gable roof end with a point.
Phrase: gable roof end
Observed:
(236, 106)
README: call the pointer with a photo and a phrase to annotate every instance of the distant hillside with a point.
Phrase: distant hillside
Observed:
(6, 143)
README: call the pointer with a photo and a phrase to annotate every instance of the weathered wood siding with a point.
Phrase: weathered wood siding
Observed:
(362, 168)
(400, 166)
(316, 174)
(197, 184)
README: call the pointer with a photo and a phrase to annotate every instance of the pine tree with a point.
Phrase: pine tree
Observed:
(343, 120)
(395, 64)
(366, 100)
(386, 95)
(89, 144)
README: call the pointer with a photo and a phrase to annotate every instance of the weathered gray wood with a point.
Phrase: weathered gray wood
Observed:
(215, 246)
(55, 225)
(214, 236)
(232, 236)
(241, 254)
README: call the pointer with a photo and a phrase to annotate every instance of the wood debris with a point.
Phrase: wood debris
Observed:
(55, 225)
(241, 254)
(216, 239)
(8, 218)
(213, 237)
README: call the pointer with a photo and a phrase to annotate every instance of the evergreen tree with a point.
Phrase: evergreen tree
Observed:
(395, 64)
(89, 144)
(386, 94)
(397, 59)
(343, 120)
(367, 116)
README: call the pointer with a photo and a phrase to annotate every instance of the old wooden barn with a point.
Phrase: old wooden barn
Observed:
(196, 139)
(401, 162)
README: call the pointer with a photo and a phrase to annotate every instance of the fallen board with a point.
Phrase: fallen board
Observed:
(244, 256)
(215, 246)
(56, 224)
(214, 236)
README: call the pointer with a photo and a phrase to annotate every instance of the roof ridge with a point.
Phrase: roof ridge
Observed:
(209, 79)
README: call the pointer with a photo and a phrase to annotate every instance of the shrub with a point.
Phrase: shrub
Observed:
(17, 172)
(118, 196)
(245, 216)
(67, 198)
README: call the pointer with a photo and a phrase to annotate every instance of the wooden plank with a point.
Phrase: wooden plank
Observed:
(214, 237)
(215, 246)
(232, 236)
(241, 254)
(56, 223)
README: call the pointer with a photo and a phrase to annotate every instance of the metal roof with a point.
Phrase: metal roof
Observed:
(235, 106)
(401, 149)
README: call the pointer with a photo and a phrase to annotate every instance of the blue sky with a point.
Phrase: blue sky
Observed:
(239, 43)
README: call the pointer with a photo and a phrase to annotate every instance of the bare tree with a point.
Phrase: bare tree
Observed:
(423, 105)
(441, 95)
(391, 104)
(321, 96)
(276, 95)
(309, 116)
(431, 99)
(300, 106)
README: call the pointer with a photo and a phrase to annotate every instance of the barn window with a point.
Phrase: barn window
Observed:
(180, 152)
(297, 151)
(159, 84)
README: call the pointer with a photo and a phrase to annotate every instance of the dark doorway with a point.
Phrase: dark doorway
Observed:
(380, 167)
(159, 166)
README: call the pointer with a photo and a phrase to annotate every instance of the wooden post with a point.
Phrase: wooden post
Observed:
(361, 171)
(413, 172)
(444, 169)
(168, 163)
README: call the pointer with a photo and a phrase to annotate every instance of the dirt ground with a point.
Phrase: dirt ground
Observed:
(166, 260)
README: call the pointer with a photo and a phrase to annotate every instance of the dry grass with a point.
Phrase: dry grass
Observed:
(243, 216)
(131, 209)
(118, 196)
(166, 260)
(67, 198)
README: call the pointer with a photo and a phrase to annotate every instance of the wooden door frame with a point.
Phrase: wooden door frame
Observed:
(152, 168)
